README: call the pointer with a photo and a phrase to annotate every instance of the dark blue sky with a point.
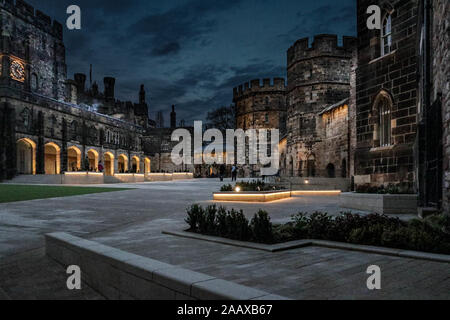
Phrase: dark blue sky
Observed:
(191, 53)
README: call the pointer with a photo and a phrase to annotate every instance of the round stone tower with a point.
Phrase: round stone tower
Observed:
(318, 76)
(261, 106)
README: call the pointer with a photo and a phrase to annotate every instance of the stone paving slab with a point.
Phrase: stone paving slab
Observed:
(132, 220)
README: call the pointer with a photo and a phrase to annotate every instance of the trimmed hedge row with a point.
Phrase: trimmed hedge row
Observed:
(250, 186)
(428, 235)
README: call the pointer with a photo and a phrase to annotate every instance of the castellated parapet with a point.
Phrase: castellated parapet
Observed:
(323, 45)
(256, 87)
(261, 104)
(21, 9)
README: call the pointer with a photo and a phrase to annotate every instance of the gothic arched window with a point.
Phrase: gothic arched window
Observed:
(34, 82)
(383, 127)
(386, 35)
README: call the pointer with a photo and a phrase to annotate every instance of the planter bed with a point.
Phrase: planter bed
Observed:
(380, 203)
(252, 196)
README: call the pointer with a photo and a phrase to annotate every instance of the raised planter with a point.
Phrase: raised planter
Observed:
(380, 203)
(182, 175)
(254, 196)
(117, 274)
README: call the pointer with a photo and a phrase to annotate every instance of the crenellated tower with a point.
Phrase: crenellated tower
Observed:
(318, 76)
(261, 105)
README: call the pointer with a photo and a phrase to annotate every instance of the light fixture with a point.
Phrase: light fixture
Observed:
(238, 189)
(307, 181)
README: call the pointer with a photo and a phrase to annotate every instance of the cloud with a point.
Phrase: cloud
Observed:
(170, 31)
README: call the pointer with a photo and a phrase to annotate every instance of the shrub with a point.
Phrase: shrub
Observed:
(238, 226)
(255, 185)
(221, 222)
(195, 213)
(262, 227)
(226, 188)
(430, 235)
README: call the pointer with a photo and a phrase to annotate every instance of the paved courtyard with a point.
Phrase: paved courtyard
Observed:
(132, 220)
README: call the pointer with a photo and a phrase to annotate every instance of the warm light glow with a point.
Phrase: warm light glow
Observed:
(238, 189)
(251, 197)
(316, 192)
(307, 181)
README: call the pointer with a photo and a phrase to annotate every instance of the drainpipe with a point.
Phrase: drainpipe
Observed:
(426, 89)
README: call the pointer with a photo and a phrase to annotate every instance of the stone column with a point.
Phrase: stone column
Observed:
(40, 152)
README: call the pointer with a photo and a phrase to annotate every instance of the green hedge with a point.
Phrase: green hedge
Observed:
(429, 235)
(250, 186)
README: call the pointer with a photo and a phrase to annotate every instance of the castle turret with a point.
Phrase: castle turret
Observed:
(261, 106)
(173, 118)
(80, 80)
(142, 95)
(109, 83)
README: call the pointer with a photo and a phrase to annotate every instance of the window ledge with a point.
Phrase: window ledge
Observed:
(382, 57)
(385, 148)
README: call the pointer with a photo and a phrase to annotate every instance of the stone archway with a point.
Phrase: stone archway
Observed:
(73, 159)
(135, 161)
(93, 160)
(331, 171)
(311, 166)
(26, 156)
(52, 158)
(108, 158)
(147, 165)
(122, 163)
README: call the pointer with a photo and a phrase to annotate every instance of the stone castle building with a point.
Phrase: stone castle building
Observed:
(317, 95)
(51, 125)
(311, 112)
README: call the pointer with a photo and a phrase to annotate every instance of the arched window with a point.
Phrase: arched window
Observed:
(386, 35)
(34, 82)
(383, 128)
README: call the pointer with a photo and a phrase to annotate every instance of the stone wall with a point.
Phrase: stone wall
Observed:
(441, 81)
(393, 76)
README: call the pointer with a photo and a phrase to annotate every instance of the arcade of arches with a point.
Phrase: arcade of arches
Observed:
(52, 155)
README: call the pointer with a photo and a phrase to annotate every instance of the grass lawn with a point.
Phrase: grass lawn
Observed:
(13, 193)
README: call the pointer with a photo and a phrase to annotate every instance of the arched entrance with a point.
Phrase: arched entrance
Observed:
(135, 164)
(331, 172)
(93, 160)
(52, 158)
(122, 163)
(311, 166)
(109, 163)
(73, 159)
(147, 165)
(26, 156)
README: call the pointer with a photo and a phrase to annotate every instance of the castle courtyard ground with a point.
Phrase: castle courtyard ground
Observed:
(133, 220)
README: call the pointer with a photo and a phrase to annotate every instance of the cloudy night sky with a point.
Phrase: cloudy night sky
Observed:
(191, 53)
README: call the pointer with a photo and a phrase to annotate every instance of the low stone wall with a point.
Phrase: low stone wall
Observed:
(300, 183)
(251, 196)
(118, 274)
(182, 176)
(169, 176)
(158, 177)
(83, 178)
(380, 203)
(125, 178)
